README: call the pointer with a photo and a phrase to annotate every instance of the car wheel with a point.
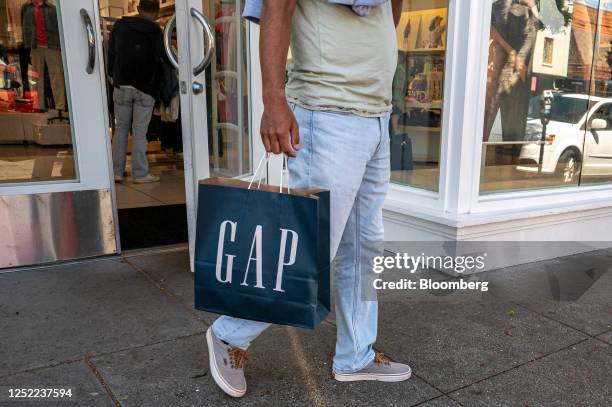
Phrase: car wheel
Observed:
(568, 167)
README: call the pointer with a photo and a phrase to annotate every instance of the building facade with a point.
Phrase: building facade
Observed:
(501, 127)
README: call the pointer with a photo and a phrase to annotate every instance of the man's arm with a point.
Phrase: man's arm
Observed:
(279, 129)
(396, 5)
(110, 60)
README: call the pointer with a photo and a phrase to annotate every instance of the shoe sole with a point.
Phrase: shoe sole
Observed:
(226, 387)
(356, 377)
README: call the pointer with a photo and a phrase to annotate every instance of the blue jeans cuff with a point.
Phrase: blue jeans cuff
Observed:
(369, 360)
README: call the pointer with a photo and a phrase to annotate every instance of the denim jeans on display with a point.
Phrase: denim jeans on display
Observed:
(348, 155)
(133, 110)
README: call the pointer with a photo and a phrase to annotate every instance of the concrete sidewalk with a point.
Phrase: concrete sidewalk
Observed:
(123, 331)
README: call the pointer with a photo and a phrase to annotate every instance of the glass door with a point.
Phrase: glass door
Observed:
(55, 179)
(215, 58)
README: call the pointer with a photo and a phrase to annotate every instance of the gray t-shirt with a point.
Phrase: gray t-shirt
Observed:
(342, 61)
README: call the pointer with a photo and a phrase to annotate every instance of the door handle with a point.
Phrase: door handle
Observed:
(168, 30)
(210, 42)
(197, 88)
(91, 41)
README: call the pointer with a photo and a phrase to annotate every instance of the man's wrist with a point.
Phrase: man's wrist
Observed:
(273, 96)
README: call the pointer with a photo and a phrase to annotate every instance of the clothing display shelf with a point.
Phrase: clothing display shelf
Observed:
(426, 50)
(165, 9)
(428, 110)
(423, 105)
(421, 128)
(109, 11)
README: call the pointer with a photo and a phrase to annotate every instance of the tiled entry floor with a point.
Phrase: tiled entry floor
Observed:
(169, 191)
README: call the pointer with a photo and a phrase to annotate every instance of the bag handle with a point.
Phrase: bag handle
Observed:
(265, 158)
(261, 161)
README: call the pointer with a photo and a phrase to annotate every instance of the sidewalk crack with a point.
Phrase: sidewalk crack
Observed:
(518, 366)
(102, 382)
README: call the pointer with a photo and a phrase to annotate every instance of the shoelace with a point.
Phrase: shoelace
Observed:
(237, 357)
(381, 359)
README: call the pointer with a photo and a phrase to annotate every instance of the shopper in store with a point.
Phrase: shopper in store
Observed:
(41, 35)
(336, 102)
(134, 63)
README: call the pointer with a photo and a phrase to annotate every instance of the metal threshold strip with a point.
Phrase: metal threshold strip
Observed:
(127, 254)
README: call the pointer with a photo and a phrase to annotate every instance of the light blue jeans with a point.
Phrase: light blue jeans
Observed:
(133, 110)
(348, 155)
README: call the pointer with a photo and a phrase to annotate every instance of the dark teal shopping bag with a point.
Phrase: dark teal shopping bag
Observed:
(262, 255)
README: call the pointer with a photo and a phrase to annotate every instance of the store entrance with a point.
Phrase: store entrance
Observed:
(215, 111)
(145, 121)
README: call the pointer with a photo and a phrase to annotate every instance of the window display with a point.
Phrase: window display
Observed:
(418, 93)
(35, 135)
(546, 121)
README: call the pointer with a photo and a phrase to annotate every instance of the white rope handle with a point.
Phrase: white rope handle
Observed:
(265, 158)
(288, 174)
(283, 164)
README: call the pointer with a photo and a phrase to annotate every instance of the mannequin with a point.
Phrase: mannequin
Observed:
(514, 27)
(41, 34)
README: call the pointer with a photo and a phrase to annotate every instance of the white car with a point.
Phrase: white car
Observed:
(578, 138)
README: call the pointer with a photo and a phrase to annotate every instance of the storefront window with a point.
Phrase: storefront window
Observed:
(418, 94)
(547, 121)
(35, 132)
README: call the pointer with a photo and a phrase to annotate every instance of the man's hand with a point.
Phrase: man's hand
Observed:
(280, 131)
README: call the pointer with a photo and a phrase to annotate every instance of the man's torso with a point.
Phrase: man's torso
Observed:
(342, 61)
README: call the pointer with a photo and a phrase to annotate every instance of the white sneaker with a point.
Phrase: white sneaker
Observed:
(146, 179)
(226, 365)
(118, 178)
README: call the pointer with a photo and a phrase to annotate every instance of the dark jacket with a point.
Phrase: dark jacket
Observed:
(28, 23)
(169, 82)
(134, 54)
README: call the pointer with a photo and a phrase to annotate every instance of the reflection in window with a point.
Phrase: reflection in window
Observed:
(549, 77)
(549, 44)
(418, 92)
(229, 141)
(35, 132)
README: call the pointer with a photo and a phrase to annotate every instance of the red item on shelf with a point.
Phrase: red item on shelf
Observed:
(33, 96)
(8, 100)
(25, 106)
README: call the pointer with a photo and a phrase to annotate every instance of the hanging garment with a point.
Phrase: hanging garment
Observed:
(170, 113)
(52, 58)
(436, 31)
(13, 11)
